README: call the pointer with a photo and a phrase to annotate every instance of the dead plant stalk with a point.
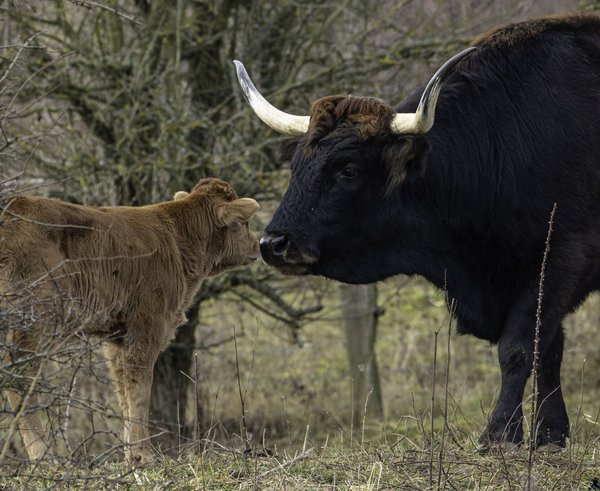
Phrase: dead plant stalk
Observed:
(536, 353)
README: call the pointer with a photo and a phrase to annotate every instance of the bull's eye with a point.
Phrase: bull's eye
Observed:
(349, 172)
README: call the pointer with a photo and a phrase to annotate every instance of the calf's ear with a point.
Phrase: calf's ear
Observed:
(180, 195)
(236, 211)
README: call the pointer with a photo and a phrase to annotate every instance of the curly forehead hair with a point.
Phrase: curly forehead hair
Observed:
(213, 186)
(368, 116)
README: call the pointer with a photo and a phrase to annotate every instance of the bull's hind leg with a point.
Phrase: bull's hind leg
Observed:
(552, 421)
(24, 401)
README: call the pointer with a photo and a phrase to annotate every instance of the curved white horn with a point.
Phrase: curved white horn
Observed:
(285, 123)
(420, 122)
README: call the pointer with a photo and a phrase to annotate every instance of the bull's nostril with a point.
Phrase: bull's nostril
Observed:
(274, 245)
(279, 245)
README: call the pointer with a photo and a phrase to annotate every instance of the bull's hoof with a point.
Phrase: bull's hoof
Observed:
(550, 448)
(497, 448)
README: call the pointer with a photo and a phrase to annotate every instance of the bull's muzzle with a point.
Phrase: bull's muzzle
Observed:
(279, 251)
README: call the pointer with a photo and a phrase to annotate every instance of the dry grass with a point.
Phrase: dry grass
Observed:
(296, 400)
(388, 464)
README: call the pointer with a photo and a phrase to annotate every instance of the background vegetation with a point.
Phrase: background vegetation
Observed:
(128, 101)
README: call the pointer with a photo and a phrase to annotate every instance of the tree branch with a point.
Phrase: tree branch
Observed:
(90, 5)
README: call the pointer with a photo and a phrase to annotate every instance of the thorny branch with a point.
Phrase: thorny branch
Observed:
(536, 351)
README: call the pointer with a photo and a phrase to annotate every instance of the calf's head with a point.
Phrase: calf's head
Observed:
(224, 218)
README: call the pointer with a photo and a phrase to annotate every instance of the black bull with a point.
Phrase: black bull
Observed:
(465, 201)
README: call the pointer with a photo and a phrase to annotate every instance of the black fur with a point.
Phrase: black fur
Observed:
(467, 205)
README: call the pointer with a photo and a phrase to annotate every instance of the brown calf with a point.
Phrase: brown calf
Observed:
(126, 273)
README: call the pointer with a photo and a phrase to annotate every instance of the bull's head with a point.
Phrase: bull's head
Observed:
(349, 151)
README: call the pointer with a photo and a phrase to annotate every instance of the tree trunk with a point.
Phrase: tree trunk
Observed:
(359, 308)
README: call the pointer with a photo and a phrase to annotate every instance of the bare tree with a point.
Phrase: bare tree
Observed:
(128, 101)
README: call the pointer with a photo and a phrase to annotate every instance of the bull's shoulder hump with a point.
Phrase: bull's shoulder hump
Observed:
(517, 33)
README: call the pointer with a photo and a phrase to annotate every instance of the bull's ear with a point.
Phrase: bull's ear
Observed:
(287, 148)
(236, 211)
(180, 195)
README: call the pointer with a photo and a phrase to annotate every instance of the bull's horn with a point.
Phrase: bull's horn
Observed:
(285, 123)
(421, 121)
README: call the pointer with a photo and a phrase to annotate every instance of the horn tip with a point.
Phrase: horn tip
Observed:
(239, 66)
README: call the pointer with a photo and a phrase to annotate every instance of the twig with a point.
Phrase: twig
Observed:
(435, 342)
(35, 222)
(364, 418)
(15, 59)
(89, 5)
(536, 353)
(22, 409)
(452, 310)
(244, 430)
(69, 405)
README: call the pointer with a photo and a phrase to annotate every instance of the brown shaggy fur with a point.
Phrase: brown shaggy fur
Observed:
(368, 116)
(125, 273)
(398, 158)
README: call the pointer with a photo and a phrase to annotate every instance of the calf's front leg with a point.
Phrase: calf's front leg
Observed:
(137, 375)
(115, 356)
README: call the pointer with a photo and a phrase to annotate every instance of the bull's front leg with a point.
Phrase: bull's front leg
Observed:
(504, 429)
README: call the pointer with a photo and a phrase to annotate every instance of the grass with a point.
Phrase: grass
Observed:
(296, 399)
(336, 466)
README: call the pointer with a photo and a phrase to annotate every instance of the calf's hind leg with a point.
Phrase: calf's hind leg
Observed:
(24, 401)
